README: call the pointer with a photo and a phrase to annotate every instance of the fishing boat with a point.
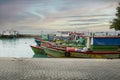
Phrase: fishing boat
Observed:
(96, 47)
(52, 47)
(58, 51)
(39, 52)
(9, 33)
(46, 43)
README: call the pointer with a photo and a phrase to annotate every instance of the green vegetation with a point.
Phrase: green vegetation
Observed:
(116, 22)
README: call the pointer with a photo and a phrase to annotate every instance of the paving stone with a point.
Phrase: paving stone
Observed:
(59, 69)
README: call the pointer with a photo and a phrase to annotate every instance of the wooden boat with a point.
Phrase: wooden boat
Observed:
(93, 50)
(63, 52)
(99, 54)
(107, 51)
(39, 52)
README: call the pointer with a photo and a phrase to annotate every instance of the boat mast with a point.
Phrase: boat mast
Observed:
(88, 42)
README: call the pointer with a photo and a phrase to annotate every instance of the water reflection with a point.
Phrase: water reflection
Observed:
(8, 42)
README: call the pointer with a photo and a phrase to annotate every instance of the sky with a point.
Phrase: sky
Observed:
(35, 16)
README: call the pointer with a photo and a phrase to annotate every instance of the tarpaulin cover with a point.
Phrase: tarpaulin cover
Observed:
(106, 41)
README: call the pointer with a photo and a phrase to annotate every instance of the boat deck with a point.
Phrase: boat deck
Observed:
(59, 69)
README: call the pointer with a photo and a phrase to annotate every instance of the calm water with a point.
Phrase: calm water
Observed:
(19, 47)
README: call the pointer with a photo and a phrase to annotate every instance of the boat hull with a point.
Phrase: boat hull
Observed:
(101, 55)
(99, 51)
(39, 52)
(54, 53)
(62, 54)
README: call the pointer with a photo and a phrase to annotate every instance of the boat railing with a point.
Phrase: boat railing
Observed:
(104, 34)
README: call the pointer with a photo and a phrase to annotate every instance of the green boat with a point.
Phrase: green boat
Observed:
(94, 47)
(54, 52)
(62, 53)
(39, 52)
(100, 49)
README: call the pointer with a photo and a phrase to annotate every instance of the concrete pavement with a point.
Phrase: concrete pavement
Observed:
(59, 69)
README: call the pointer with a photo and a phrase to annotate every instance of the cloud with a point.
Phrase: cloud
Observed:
(55, 14)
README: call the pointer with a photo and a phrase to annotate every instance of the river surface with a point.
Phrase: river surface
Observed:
(17, 47)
